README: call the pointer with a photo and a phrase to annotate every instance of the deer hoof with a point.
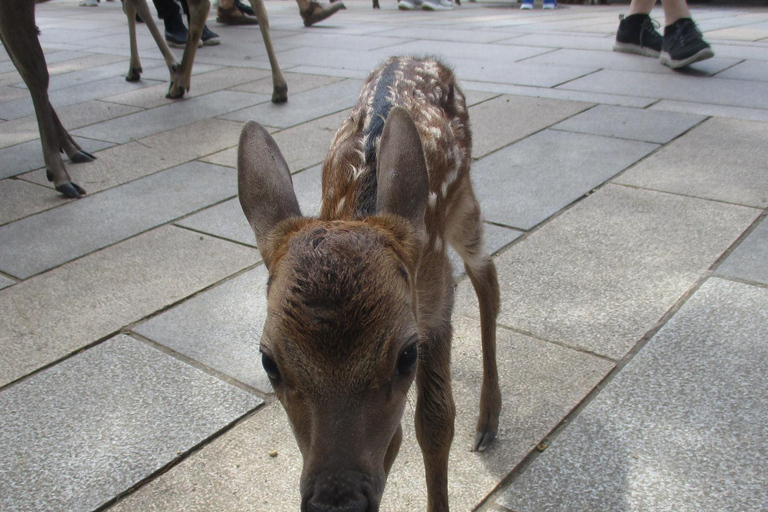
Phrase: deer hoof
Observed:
(175, 92)
(134, 75)
(483, 440)
(82, 157)
(280, 94)
(71, 190)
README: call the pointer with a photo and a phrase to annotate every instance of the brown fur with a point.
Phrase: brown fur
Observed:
(350, 291)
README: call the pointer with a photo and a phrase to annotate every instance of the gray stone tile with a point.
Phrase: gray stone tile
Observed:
(540, 383)
(750, 259)
(55, 314)
(220, 328)
(329, 71)
(27, 156)
(8, 93)
(719, 91)
(48, 239)
(661, 435)
(94, 74)
(297, 82)
(225, 220)
(523, 184)
(747, 70)
(615, 60)
(358, 42)
(302, 107)
(128, 162)
(503, 120)
(205, 83)
(605, 271)
(631, 123)
(445, 34)
(453, 51)
(721, 159)
(6, 282)
(560, 94)
(340, 58)
(703, 109)
(517, 73)
(553, 40)
(71, 96)
(92, 427)
(150, 122)
(20, 198)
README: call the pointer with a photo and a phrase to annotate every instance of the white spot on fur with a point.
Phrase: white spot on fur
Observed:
(340, 206)
(438, 245)
(444, 189)
(432, 199)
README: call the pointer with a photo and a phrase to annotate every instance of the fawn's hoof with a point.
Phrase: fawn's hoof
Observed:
(280, 94)
(483, 440)
(175, 91)
(318, 12)
(134, 75)
(81, 157)
(71, 190)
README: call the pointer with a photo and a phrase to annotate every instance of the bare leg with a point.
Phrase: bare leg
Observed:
(673, 9)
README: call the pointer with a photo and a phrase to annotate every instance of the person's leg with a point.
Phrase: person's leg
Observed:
(640, 7)
(228, 13)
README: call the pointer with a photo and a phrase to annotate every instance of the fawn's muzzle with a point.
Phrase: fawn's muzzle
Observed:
(341, 491)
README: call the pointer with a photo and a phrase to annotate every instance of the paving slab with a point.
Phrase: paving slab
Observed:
(82, 93)
(340, 58)
(617, 60)
(747, 70)
(302, 107)
(704, 109)
(52, 315)
(605, 271)
(43, 241)
(156, 120)
(750, 259)
(505, 119)
(235, 472)
(202, 84)
(6, 282)
(522, 185)
(518, 73)
(128, 162)
(646, 125)
(226, 220)
(20, 198)
(82, 432)
(667, 433)
(27, 156)
(554, 40)
(8, 93)
(718, 91)
(722, 159)
(96, 73)
(297, 82)
(302, 146)
(559, 94)
(450, 51)
(220, 328)
(444, 34)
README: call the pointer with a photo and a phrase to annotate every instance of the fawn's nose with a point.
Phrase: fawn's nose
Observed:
(339, 491)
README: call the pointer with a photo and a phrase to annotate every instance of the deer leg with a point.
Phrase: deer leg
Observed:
(131, 8)
(279, 86)
(466, 236)
(181, 79)
(19, 36)
(68, 145)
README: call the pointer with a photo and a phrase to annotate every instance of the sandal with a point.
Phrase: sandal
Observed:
(318, 12)
(230, 17)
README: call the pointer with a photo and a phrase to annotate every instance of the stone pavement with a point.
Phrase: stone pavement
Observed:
(625, 203)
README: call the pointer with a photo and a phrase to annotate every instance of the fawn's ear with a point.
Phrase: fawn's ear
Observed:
(263, 183)
(403, 182)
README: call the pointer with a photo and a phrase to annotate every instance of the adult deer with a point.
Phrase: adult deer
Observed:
(360, 299)
(19, 36)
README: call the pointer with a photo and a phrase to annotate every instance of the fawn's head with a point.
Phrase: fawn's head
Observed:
(340, 343)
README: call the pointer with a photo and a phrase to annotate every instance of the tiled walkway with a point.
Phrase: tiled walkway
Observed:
(625, 203)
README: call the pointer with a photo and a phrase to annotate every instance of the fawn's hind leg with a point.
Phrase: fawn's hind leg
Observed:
(466, 236)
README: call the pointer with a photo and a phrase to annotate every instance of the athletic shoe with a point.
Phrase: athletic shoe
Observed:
(89, 3)
(684, 44)
(409, 5)
(637, 34)
(209, 38)
(550, 4)
(526, 4)
(437, 5)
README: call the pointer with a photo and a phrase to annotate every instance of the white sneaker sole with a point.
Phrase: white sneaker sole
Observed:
(407, 6)
(637, 50)
(526, 7)
(435, 7)
(704, 54)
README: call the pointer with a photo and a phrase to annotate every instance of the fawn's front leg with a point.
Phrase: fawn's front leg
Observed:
(140, 7)
(181, 79)
(279, 86)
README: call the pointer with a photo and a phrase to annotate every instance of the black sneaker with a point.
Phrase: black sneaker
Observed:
(247, 9)
(683, 44)
(176, 33)
(637, 34)
(209, 38)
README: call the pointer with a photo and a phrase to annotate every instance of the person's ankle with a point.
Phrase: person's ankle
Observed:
(226, 4)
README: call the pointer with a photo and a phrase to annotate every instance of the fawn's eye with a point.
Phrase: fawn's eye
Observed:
(408, 358)
(270, 367)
